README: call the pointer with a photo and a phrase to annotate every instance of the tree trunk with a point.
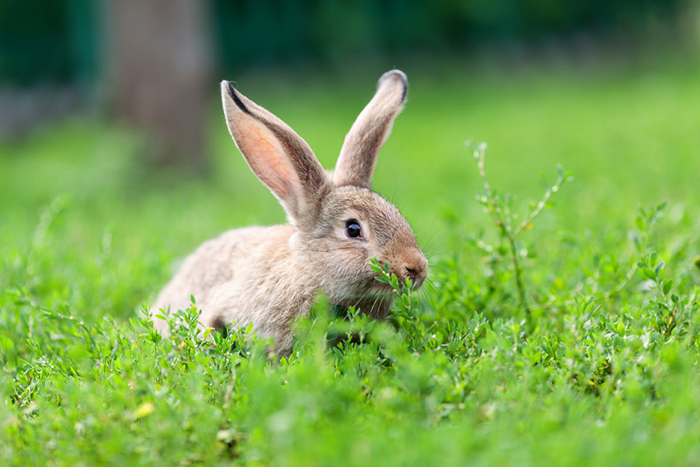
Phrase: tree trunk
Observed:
(159, 67)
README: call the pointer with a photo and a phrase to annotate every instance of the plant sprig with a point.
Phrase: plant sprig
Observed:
(498, 207)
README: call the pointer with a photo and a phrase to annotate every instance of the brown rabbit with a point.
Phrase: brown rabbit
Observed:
(268, 276)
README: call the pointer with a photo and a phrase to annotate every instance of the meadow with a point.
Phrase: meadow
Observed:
(561, 333)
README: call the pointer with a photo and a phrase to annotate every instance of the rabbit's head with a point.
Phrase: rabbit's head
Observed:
(340, 223)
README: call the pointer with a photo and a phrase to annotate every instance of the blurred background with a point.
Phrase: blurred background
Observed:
(155, 64)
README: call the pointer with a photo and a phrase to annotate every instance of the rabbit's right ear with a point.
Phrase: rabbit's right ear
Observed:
(278, 156)
(358, 157)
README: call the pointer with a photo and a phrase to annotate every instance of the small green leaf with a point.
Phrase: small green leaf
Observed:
(649, 273)
(659, 267)
(668, 285)
(637, 240)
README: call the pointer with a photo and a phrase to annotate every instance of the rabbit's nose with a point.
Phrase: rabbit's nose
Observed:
(411, 273)
(416, 270)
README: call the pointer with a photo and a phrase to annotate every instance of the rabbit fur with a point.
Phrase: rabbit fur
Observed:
(268, 276)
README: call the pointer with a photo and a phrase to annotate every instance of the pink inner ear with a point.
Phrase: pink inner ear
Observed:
(265, 156)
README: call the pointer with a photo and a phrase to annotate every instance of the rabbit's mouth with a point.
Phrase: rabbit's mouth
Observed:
(381, 288)
(371, 291)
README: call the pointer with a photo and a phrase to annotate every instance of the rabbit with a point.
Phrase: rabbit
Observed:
(268, 276)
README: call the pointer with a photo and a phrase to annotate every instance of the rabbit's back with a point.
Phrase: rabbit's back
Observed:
(225, 275)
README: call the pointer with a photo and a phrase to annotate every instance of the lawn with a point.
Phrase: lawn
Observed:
(592, 360)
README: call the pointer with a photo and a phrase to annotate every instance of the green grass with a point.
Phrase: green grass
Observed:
(602, 370)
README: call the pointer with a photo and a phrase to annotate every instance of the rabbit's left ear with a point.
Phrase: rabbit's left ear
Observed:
(358, 157)
(278, 156)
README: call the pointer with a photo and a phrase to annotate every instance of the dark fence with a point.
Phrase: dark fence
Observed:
(48, 40)
(60, 40)
(264, 31)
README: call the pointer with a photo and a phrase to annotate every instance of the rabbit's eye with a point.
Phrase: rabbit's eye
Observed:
(352, 228)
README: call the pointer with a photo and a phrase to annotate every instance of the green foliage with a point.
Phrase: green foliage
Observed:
(603, 371)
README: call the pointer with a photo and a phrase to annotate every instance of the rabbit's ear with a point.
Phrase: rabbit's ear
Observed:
(278, 156)
(358, 156)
